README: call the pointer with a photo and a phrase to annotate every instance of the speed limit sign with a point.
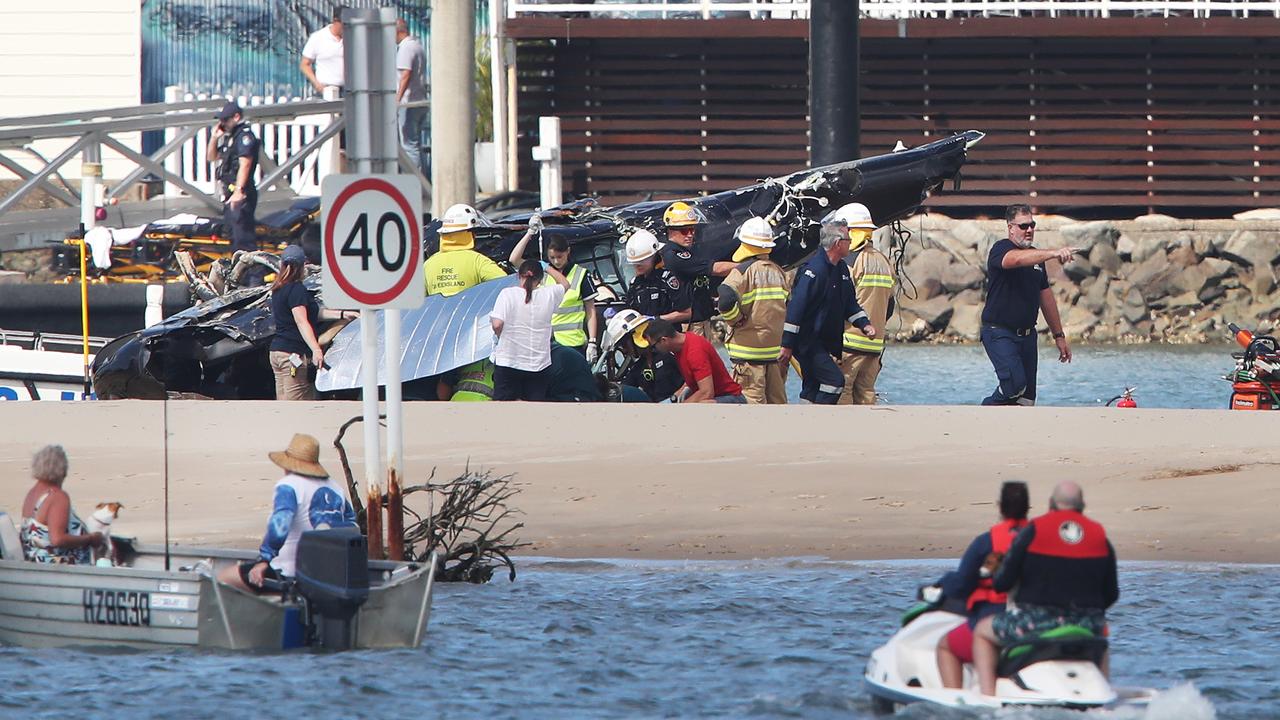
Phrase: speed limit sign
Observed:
(372, 241)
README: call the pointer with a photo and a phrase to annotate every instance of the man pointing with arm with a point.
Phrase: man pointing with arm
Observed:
(1018, 289)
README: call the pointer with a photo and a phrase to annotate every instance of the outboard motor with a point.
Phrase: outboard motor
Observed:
(333, 576)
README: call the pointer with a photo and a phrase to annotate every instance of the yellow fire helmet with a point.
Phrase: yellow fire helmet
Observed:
(682, 214)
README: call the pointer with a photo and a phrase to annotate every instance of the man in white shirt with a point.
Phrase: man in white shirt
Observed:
(411, 63)
(322, 61)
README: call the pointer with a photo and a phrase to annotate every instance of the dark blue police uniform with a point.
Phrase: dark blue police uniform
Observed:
(239, 221)
(1009, 326)
(822, 300)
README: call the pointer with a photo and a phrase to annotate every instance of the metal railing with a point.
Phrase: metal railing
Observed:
(893, 9)
(180, 161)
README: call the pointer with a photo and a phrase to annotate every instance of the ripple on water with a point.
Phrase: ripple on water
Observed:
(626, 639)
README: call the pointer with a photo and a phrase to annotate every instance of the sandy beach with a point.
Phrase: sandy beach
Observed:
(701, 482)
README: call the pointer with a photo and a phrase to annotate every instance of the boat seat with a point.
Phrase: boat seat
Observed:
(10, 543)
(1069, 642)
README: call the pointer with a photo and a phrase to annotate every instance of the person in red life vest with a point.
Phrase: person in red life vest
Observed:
(1064, 570)
(704, 373)
(972, 581)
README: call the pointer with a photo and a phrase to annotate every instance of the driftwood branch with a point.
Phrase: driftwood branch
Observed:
(467, 521)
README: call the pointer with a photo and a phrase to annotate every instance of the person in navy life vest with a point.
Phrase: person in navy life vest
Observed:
(1062, 570)
(1018, 290)
(973, 581)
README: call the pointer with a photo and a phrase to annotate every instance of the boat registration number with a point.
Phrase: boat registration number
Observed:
(117, 607)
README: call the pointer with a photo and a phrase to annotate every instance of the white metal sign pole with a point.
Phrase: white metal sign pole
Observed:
(386, 146)
(358, 45)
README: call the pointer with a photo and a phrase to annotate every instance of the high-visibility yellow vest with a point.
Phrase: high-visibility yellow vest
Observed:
(873, 281)
(568, 322)
(475, 382)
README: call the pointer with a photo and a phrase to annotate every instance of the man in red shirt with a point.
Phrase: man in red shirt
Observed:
(704, 373)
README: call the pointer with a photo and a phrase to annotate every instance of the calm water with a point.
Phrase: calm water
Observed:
(659, 639)
(1166, 376)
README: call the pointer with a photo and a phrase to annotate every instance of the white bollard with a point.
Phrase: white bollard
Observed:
(547, 152)
(155, 306)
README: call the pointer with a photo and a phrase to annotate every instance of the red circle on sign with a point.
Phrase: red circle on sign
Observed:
(415, 239)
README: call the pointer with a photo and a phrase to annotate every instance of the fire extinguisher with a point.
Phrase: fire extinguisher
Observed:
(1125, 399)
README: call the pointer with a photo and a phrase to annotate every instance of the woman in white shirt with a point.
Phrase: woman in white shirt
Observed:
(521, 318)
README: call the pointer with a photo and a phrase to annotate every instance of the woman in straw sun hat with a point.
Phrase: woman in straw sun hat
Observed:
(306, 498)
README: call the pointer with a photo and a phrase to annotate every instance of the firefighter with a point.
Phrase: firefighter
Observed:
(753, 301)
(457, 266)
(655, 291)
(873, 282)
(822, 301)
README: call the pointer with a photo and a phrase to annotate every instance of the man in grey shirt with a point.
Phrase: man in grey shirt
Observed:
(411, 62)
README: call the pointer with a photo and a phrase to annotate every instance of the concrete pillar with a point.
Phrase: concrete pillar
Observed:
(834, 115)
(453, 43)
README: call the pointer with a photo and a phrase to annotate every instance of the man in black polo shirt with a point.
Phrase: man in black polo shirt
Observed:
(1017, 290)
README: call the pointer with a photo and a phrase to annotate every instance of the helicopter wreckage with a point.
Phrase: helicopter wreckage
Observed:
(218, 348)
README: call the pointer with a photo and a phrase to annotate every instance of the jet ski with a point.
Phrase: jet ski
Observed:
(1058, 669)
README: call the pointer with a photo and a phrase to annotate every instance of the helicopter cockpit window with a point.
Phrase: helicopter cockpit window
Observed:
(605, 260)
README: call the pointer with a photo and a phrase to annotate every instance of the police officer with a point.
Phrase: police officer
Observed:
(656, 292)
(1064, 569)
(235, 148)
(683, 222)
(822, 301)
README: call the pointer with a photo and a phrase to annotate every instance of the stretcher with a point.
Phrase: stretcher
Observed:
(146, 254)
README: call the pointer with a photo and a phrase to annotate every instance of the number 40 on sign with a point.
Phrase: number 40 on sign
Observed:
(371, 235)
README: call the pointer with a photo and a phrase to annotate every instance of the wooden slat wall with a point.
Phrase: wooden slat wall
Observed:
(1072, 123)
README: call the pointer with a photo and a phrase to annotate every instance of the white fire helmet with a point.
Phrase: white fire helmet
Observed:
(458, 218)
(624, 323)
(756, 232)
(853, 215)
(641, 246)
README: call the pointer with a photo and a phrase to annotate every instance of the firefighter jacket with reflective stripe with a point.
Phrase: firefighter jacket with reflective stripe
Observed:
(568, 322)
(475, 382)
(873, 280)
(753, 300)
(1062, 559)
(1002, 535)
(822, 301)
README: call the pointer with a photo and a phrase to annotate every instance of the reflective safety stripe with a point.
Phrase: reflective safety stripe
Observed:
(881, 281)
(829, 389)
(857, 316)
(862, 343)
(567, 322)
(746, 352)
(764, 293)
(790, 327)
(732, 313)
(476, 386)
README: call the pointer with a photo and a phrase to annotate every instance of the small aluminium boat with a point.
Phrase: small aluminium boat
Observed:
(339, 599)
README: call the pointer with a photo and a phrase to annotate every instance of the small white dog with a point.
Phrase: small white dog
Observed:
(100, 521)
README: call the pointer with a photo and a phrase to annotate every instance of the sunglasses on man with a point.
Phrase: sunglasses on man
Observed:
(1026, 225)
